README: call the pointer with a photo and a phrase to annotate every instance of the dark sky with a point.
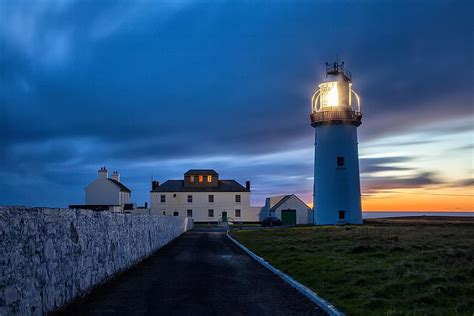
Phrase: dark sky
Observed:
(152, 90)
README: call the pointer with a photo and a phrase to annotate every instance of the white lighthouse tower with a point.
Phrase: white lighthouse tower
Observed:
(335, 116)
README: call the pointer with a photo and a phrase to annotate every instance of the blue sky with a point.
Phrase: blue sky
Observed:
(152, 89)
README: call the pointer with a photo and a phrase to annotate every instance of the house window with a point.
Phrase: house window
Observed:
(163, 198)
(209, 179)
(210, 213)
(175, 213)
(342, 215)
(340, 161)
(201, 178)
(190, 199)
(189, 213)
(237, 213)
(237, 198)
(191, 179)
(211, 198)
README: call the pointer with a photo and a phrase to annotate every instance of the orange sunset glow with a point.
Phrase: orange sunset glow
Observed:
(446, 200)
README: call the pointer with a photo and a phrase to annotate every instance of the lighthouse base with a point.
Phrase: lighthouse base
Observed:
(337, 197)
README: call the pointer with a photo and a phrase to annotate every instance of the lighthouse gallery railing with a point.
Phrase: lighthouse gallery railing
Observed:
(321, 117)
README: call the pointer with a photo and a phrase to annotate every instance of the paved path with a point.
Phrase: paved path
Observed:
(200, 273)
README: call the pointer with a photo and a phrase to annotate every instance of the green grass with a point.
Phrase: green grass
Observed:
(385, 267)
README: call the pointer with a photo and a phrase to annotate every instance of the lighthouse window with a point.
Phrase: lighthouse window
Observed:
(342, 215)
(340, 161)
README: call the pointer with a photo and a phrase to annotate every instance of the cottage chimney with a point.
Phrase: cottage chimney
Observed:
(146, 204)
(155, 184)
(116, 176)
(103, 174)
(247, 185)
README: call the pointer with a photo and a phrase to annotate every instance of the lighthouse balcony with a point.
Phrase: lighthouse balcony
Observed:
(336, 117)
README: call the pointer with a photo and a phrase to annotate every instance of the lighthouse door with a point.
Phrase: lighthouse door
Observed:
(288, 217)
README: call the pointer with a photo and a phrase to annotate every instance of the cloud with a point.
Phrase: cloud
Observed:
(374, 165)
(371, 185)
(28, 28)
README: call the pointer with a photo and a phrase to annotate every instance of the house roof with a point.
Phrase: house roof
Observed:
(277, 205)
(222, 186)
(201, 172)
(122, 187)
(283, 200)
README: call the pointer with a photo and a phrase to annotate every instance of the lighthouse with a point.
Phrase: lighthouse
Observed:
(335, 116)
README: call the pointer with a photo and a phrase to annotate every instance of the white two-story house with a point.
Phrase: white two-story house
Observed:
(204, 197)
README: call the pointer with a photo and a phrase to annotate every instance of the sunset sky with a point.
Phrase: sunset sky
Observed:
(152, 90)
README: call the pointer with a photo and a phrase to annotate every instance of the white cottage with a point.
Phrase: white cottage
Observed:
(107, 193)
(204, 197)
(289, 209)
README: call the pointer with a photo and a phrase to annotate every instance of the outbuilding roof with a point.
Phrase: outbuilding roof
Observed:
(122, 187)
(222, 186)
(283, 200)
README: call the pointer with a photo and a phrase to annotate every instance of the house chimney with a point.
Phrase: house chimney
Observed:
(146, 204)
(247, 185)
(155, 184)
(103, 173)
(116, 176)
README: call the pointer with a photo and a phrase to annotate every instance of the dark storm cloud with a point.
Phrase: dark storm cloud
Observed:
(143, 85)
(374, 184)
(372, 165)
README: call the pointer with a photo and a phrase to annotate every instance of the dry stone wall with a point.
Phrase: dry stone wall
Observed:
(48, 256)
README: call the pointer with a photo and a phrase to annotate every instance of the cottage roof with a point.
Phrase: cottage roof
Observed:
(122, 187)
(283, 200)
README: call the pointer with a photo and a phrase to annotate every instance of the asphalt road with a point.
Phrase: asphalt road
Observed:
(199, 273)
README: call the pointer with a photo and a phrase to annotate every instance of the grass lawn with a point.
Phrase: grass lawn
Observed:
(386, 266)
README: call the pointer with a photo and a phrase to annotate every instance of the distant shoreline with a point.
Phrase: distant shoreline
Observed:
(424, 219)
(390, 214)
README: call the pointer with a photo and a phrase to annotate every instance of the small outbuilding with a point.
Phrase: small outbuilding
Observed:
(290, 209)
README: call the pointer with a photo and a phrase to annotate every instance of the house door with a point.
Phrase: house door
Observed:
(288, 217)
(224, 217)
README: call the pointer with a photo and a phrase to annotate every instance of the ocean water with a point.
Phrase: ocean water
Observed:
(399, 214)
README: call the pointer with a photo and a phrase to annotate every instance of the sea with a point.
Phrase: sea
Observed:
(376, 214)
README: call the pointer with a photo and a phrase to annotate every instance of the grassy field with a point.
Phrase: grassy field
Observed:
(385, 267)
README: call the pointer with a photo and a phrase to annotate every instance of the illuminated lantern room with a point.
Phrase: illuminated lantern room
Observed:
(335, 102)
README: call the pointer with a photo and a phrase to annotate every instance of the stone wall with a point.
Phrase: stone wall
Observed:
(49, 256)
